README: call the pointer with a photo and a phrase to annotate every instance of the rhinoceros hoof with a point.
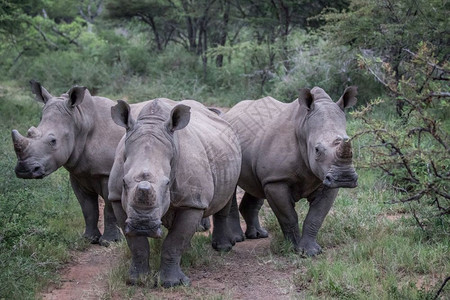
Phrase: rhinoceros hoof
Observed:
(239, 237)
(180, 279)
(256, 233)
(106, 241)
(223, 246)
(140, 279)
(93, 239)
(311, 249)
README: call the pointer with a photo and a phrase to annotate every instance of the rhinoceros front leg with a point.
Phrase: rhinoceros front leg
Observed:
(320, 203)
(89, 206)
(139, 248)
(249, 209)
(283, 205)
(222, 237)
(178, 239)
(234, 222)
(111, 232)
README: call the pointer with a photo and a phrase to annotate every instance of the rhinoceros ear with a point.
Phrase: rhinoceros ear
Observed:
(42, 95)
(121, 114)
(348, 99)
(306, 99)
(179, 117)
(76, 95)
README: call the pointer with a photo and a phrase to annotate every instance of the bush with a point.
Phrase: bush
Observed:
(412, 147)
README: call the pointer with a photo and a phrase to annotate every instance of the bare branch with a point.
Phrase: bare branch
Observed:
(442, 288)
(440, 95)
(43, 35)
(418, 221)
(71, 40)
(429, 63)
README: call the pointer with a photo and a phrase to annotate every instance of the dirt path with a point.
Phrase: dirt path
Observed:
(85, 276)
(247, 272)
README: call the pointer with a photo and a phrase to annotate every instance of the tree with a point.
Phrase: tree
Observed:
(28, 28)
(155, 13)
(383, 29)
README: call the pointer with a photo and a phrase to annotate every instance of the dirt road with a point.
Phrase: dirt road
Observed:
(249, 271)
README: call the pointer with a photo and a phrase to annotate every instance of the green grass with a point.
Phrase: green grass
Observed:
(40, 220)
(372, 250)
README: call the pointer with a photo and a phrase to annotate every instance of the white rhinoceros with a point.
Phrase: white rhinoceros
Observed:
(292, 151)
(177, 163)
(76, 132)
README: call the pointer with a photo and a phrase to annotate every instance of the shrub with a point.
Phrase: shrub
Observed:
(412, 147)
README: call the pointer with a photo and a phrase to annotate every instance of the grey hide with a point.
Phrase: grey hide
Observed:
(177, 163)
(292, 151)
(76, 132)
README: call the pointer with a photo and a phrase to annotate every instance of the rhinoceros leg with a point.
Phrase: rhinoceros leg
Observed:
(222, 237)
(177, 240)
(283, 205)
(111, 232)
(249, 209)
(234, 222)
(139, 248)
(89, 206)
(320, 203)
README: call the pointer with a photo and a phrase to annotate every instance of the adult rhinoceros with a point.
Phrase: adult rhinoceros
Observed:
(176, 164)
(76, 132)
(292, 151)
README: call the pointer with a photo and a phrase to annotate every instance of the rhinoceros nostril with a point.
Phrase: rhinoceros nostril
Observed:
(36, 169)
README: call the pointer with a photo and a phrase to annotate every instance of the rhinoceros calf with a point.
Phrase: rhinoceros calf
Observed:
(176, 164)
(76, 132)
(292, 151)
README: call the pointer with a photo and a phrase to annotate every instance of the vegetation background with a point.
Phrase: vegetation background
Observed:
(388, 239)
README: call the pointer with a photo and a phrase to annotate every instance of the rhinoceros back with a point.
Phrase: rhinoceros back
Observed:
(209, 161)
(251, 118)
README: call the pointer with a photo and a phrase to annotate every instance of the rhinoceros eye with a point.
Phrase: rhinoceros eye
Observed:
(319, 150)
(52, 142)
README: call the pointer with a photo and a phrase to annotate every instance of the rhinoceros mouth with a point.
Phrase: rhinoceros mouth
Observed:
(34, 171)
(348, 181)
(143, 230)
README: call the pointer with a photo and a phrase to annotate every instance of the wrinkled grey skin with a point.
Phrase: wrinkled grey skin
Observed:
(76, 132)
(292, 151)
(177, 163)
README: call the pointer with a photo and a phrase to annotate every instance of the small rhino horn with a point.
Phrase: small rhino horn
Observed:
(33, 132)
(145, 193)
(345, 150)
(20, 142)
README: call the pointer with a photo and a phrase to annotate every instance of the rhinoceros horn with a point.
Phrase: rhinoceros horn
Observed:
(344, 150)
(145, 193)
(20, 142)
(33, 132)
